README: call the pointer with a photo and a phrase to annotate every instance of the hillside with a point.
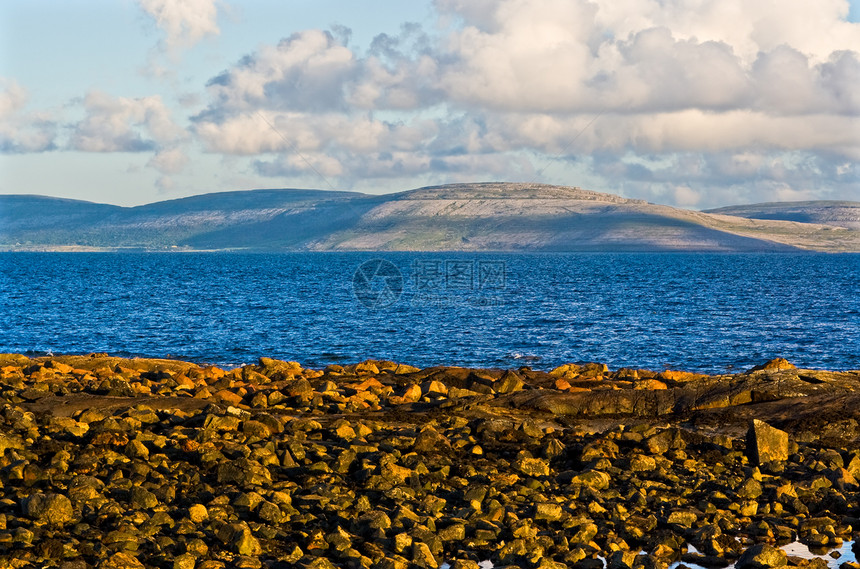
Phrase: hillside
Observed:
(464, 217)
(34, 221)
(838, 213)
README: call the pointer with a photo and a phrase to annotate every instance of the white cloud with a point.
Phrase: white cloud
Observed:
(185, 22)
(169, 161)
(22, 131)
(121, 124)
(13, 97)
(723, 90)
(305, 71)
(686, 196)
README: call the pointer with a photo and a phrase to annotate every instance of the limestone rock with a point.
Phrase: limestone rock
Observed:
(49, 509)
(776, 364)
(534, 467)
(621, 560)
(762, 556)
(121, 560)
(766, 443)
(508, 383)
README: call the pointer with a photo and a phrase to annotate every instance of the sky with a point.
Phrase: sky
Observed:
(691, 103)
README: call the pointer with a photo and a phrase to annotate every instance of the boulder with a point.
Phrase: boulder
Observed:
(766, 443)
(534, 467)
(121, 560)
(620, 560)
(593, 479)
(508, 383)
(776, 364)
(762, 556)
(49, 509)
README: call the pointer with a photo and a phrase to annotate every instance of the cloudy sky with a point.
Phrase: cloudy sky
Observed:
(696, 103)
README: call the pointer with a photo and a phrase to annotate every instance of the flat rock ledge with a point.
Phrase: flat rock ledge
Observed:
(129, 463)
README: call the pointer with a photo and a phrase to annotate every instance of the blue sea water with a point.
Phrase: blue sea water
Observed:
(700, 312)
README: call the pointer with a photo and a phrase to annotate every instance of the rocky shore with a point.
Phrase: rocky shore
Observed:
(118, 463)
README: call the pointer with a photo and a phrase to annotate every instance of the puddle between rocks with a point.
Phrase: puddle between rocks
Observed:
(795, 548)
(799, 550)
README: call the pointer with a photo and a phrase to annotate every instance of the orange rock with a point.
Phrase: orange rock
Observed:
(140, 388)
(680, 376)
(776, 364)
(366, 368)
(202, 393)
(252, 377)
(650, 384)
(38, 373)
(412, 394)
(103, 371)
(126, 371)
(59, 367)
(184, 382)
(843, 478)
(566, 370)
(110, 438)
(11, 372)
(84, 375)
(626, 373)
(214, 372)
(434, 387)
(562, 384)
(367, 384)
(228, 396)
(505, 479)
(359, 403)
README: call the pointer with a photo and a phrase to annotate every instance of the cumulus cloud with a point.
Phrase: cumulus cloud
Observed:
(305, 72)
(22, 131)
(758, 97)
(109, 124)
(121, 124)
(184, 22)
(169, 161)
(13, 97)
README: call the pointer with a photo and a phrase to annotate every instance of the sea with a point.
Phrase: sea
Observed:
(703, 312)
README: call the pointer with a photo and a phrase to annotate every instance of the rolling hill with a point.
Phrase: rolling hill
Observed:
(841, 214)
(462, 217)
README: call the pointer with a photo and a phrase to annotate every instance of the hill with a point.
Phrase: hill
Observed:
(462, 217)
(838, 213)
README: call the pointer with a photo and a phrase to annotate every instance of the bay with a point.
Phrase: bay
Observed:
(710, 313)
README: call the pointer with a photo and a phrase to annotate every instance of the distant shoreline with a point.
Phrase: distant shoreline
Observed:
(179, 250)
(457, 217)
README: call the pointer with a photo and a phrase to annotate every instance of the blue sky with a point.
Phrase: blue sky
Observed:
(697, 103)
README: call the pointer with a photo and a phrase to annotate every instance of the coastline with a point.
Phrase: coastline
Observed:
(159, 462)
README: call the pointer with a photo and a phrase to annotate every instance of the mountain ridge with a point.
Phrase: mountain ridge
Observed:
(488, 216)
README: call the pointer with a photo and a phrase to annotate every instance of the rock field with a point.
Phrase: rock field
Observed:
(128, 463)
